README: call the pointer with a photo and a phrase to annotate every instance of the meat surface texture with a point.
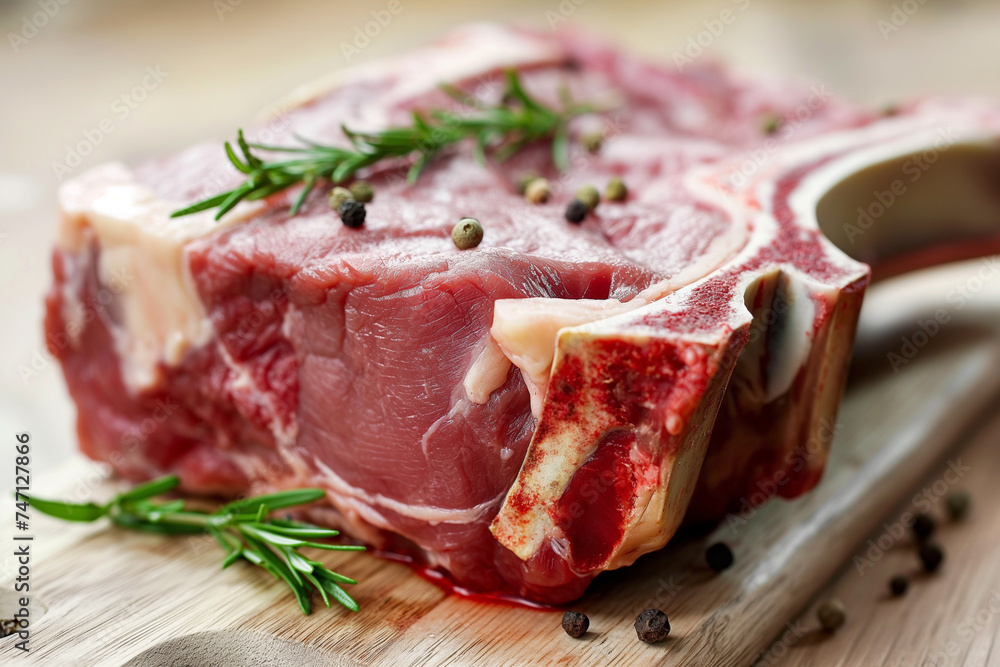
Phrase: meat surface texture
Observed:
(526, 414)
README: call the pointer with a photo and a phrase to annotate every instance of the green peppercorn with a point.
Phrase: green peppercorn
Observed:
(898, 585)
(589, 195)
(537, 191)
(575, 624)
(891, 109)
(931, 557)
(831, 615)
(923, 526)
(362, 191)
(771, 123)
(957, 504)
(719, 557)
(616, 190)
(592, 141)
(352, 213)
(525, 179)
(576, 211)
(338, 196)
(652, 626)
(467, 233)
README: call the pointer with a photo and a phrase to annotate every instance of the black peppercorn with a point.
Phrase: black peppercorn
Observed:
(931, 557)
(652, 626)
(923, 526)
(719, 557)
(576, 211)
(352, 213)
(575, 624)
(957, 504)
(898, 585)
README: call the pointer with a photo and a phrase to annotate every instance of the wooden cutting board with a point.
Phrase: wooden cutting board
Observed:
(103, 596)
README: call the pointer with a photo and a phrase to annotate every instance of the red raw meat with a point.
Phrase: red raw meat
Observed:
(271, 351)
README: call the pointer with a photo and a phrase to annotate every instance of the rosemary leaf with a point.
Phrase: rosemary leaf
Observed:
(69, 511)
(307, 532)
(516, 121)
(339, 594)
(275, 501)
(242, 528)
(151, 488)
(315, 582)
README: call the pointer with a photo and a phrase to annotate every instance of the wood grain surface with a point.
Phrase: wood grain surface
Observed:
(950, 618)
(113, 597)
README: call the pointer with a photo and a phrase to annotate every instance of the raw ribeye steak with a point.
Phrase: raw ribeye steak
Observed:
(551, 404)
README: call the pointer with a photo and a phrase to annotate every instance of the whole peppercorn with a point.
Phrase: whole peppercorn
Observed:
(898, 585)
(575, 624)
(831, 615)
(589, 195)
(537, 191)
(652, 626)
(931, 557)
(352, 213)
(576, 211)
(592, 141)
(719, 557)
(362, 191)
(923, 526)
(338, 196)
(616, 190)
(957, 504)
(526, 178)
(771, 123)
(467, 233)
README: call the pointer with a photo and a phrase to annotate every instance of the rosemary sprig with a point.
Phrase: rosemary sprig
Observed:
(504, 129)
(241, 527)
